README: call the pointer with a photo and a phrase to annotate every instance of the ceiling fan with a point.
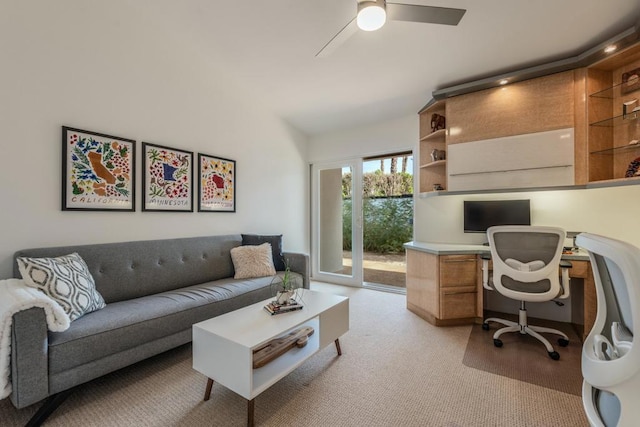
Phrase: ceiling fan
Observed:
(372, 14)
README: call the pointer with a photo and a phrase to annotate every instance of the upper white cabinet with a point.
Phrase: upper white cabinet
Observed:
(540, 159)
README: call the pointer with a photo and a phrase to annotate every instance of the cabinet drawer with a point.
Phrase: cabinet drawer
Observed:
(457, 270)
(457, 305)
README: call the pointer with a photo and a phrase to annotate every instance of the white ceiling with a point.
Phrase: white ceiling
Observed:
(269, 47)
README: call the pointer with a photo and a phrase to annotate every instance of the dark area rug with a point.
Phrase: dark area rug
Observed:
(524, 358)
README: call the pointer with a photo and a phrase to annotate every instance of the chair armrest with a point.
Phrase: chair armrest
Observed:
(299, 263)
(485, 272)
(564, 267)
(29, 357)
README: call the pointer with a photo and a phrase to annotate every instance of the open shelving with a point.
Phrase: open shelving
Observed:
(611, 125)
(434, 164)
(615, 150)
(621, 120)
(432, 173)
(613, 92)
(433, 136)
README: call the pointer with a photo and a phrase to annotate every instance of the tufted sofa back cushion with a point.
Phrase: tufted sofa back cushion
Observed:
(129, 270)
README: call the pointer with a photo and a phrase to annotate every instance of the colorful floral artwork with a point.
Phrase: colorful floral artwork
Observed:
(168, 180)
(98, 171)
(217, 185)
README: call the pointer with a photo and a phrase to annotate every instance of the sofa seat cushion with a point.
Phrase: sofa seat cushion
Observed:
(127, 324)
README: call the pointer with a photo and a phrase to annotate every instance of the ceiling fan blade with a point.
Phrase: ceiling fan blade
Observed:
(427, 14)
(347, 31)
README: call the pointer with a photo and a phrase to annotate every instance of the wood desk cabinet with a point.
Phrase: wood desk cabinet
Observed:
(442, 289)
(447, 290)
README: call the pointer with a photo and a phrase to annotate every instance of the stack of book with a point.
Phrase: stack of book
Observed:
(275, 308)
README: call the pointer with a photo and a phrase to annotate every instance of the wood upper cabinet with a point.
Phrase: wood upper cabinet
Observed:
(500, 138)
(536, 105)
(590, 101)
(520, 135)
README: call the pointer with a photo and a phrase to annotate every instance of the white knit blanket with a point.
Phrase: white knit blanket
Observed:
(14, 297)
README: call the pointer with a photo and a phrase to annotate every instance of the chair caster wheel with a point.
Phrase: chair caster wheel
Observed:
(485, 326)
(497, 343)
(562, 342)
(554, 355)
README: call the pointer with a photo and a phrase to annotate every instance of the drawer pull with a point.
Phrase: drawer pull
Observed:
(459, 260)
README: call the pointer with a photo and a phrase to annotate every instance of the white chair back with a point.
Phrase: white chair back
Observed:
(610, 360)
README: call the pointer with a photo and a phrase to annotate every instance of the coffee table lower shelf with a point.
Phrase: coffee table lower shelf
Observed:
(223, 346)
(250, 403)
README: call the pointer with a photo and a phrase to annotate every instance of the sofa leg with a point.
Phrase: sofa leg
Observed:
(47, 408)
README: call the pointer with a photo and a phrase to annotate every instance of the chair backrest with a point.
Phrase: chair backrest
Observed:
(526, 261)
(610, 360)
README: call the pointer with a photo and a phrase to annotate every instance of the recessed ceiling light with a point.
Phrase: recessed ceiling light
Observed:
(610, 48)
(503, 81)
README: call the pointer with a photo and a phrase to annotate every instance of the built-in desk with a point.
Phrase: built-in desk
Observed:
(444, 284)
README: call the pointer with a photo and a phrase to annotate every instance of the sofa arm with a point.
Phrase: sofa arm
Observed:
(29, 367)
(299, 263)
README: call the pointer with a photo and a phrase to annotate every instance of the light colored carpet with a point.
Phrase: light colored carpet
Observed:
(396, 370)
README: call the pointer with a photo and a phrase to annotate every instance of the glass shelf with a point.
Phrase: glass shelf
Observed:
(613, 92)
(617, 149)
(618, 120)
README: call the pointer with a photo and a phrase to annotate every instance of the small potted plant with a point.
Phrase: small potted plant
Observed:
(286, 286)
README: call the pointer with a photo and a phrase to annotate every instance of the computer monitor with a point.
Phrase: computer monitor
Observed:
(482, 214)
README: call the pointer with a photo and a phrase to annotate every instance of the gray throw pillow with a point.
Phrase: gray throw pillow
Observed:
(66, 279)
(276, 247)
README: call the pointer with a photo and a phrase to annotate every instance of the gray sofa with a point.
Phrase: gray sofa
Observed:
(155, 291)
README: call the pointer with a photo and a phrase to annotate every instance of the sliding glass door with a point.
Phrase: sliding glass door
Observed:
(387, 219)
(337, 222)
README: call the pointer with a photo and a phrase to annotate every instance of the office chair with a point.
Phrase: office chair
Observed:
(610, 361)
(526, 260)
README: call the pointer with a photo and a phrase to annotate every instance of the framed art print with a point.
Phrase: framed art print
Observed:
(98, 171)
(168, 179)
(216, 184)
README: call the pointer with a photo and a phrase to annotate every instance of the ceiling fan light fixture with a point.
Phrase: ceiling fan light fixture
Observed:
(371, 15)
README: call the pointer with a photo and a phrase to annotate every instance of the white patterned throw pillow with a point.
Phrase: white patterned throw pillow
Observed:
(252, 261)
(64, 279)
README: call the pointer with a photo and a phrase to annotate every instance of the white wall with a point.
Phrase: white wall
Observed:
(99, 66)
(612, 211)
(390, 136)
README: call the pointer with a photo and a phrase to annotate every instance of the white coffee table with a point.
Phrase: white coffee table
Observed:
(223, 346)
